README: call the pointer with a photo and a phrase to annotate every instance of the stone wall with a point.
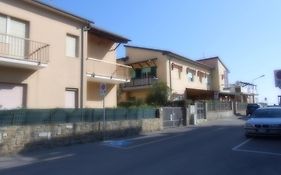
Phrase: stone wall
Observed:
(18, 139)
(214, 115)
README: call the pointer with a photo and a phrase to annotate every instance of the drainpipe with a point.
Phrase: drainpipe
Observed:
(170, 76)
(83, 29)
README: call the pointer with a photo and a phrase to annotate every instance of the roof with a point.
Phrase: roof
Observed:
(212, 58)
(166, 52)
(58, 10)
(109, 35)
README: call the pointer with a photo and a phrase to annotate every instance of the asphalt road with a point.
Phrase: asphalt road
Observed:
(214, 148)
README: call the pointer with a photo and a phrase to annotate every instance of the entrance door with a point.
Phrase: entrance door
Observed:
(71, 98)
(201, 110)
(11, 96)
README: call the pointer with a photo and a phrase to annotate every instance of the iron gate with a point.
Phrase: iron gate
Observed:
(173, 116)
(201, 110)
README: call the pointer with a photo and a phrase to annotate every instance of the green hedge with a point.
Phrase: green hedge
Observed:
(49, 116)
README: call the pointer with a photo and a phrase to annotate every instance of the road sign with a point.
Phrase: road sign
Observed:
(103, 89)
(277, 77)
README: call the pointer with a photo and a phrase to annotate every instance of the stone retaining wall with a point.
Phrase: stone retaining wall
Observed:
(18, 139)
(214, 115)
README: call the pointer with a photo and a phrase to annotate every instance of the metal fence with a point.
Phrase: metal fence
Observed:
(219, 106)
(54, 116)
(241, 106)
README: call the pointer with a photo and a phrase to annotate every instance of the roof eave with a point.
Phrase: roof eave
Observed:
(109, 35)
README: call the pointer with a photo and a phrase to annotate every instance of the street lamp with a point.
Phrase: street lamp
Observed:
(257, 78)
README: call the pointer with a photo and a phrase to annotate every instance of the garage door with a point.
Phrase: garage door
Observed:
(11, 96)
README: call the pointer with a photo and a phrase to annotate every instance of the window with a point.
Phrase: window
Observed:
(190, 76)
(71, 46)
(15, 46)
(3, 24)
(179, 73)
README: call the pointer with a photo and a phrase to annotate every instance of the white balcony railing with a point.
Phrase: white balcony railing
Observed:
(107, 71)
(139, 82)
(23, 49)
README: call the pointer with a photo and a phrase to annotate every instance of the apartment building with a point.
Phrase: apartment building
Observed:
(50, 58)
(204, 79)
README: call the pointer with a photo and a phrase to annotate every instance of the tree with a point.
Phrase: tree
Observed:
(158, 94)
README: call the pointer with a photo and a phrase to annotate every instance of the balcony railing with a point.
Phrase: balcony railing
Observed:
(107, 71)
(24, 49)
(139, 82)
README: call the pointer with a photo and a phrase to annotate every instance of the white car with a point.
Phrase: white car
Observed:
(264, 121)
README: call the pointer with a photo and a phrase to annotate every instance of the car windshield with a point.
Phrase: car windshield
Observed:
(267, 113)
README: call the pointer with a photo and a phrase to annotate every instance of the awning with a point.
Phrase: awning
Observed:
(198, 94)
(144, 64)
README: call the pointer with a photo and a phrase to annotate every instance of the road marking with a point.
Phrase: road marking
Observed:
(152, 142)
(258, 152)
(56, 158)
(118, 143)
(237, 148)
(241, 144)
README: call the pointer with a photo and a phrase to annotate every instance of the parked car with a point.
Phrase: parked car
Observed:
(251, 108)
(264, 121)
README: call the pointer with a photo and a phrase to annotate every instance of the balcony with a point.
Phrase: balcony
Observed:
(107, 72)
(139, 83)
(23, 53)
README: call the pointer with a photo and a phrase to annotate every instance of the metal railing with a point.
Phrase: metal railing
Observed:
(140, 82)
(22, 48)
(103, 68)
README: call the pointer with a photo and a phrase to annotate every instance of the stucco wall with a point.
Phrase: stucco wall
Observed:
(45, 87)
(180, 84)
(94, 99)
(138, 55)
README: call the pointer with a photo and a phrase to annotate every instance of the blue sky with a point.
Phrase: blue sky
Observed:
(246, 35)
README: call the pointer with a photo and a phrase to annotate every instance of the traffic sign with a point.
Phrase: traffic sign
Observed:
(277, 77)
(103, 89)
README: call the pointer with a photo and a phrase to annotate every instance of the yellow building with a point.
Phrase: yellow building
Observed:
(188, 79)
(50, 58)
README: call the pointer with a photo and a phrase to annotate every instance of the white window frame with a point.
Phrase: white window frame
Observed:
(76, 55)
(190, 78)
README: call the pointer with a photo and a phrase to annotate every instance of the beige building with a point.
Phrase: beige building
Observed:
(188, 79)
(50, 58)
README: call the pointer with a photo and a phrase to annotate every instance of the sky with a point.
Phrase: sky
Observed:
(246, 35)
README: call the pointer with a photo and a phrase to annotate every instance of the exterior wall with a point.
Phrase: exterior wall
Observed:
(180, 84)
(45, 87)
(221, 70)
(102, 49)
(139, 94)
(137, 55)
(95, 100)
